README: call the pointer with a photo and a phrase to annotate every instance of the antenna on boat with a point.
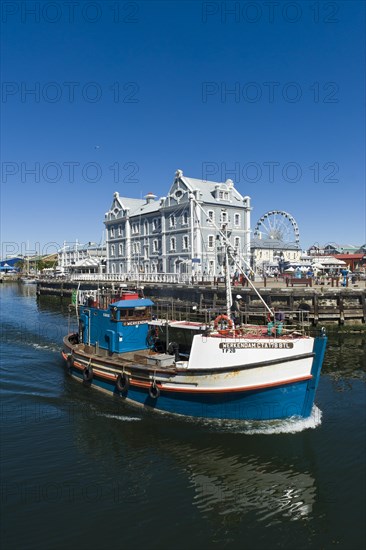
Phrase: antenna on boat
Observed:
(229, 298)
(77, 303)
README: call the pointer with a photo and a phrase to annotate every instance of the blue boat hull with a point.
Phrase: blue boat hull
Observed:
(269, 403)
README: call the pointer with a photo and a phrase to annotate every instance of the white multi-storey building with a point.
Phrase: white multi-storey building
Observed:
(177, 233)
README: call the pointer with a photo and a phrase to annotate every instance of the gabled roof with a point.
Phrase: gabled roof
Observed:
(136, 207)
(146, 208)
(207, 190)
(87, 262)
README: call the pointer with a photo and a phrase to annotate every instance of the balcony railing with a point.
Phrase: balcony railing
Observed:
(182, 278)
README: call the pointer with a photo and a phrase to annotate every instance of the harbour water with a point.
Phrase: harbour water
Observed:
(83, 470)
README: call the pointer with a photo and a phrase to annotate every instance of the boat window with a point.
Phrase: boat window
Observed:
(133, 314)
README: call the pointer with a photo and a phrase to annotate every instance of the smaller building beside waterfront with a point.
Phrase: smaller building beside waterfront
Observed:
(77, 258)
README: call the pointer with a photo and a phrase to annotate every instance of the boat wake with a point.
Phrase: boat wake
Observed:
(122, 418)
(291, 425)
(47, 347)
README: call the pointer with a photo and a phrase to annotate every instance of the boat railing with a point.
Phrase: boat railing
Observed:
(175, 310)
(294, 320)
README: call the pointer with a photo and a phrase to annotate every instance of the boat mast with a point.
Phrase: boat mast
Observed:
(228, 248)
(229, 299)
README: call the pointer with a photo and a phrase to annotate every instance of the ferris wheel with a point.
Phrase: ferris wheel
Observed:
(278, 226)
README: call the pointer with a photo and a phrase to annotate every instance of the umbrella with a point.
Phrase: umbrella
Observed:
(289, 270)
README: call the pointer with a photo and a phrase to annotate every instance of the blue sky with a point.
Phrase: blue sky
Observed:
(271, 94)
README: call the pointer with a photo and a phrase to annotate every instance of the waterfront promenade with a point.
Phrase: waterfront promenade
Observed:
(324, 303)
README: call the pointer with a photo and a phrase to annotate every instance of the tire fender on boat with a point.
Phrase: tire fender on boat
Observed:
(88, 374)
(122, 382)
(154, 391)
(69, 362)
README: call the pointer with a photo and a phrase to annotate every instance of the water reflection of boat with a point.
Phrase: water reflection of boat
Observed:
(228, 479)
(229, 485)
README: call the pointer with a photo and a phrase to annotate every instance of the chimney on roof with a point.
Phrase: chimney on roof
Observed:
(150, 197)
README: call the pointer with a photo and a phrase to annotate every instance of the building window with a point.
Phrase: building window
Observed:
(135, 228)
(211, 242)
(185, 242)
(120, 230)
(120, 249)
(185, 218)
(112, 250)
(223, 217)
(237, 243)
(155, 224)
(172, 220)
(172, 244)
(221, 195)
(211, 216)
(135, 248)
(237, 220)
(146, 227)
(111, 232)
(155, 245)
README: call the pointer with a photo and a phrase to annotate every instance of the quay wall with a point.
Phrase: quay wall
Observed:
(339, 306)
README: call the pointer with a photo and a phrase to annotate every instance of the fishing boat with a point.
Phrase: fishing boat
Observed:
(224, 370)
